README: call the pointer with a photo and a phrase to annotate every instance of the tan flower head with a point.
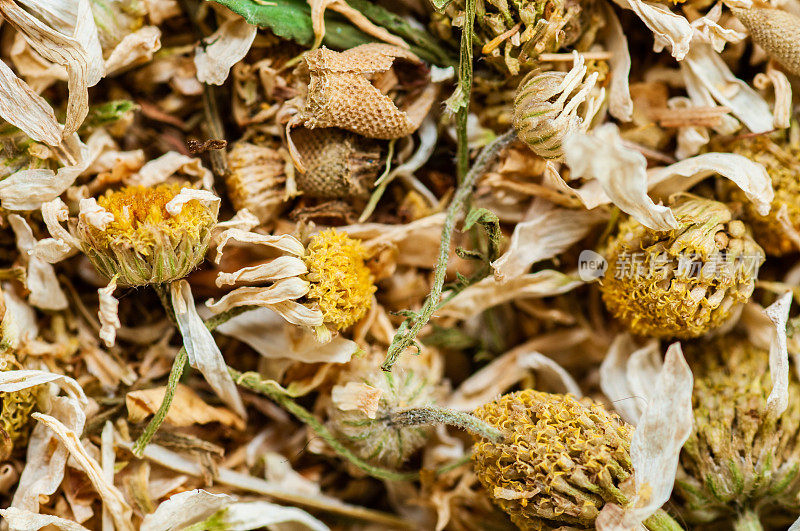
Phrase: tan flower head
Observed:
(561, 462)
(738, 458)
(778, 232)
(147, 235)
(684, 282)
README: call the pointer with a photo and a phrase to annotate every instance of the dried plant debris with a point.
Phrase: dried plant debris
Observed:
(427, 264)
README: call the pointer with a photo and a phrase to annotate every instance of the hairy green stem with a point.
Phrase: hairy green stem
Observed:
(178, 366)
(406, 334)
(253, 381)
(431, 416)
(465, 86)
(661, 521)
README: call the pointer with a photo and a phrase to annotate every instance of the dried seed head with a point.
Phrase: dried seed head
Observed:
(376, 439)
(775, 232)
(685, 282)
(775, 30)
(546, 108)
(256, 179)
(374, 90)
(561, 461)
(513, 34)
(341, 284)
(338, 164)
(143, 243)
(738, 458)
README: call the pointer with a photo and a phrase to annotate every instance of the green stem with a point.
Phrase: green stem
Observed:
(431, 415)
(661, 521)
(465, 84)
(178, 366)
(253, 381)
(406, 334)
(748, 521)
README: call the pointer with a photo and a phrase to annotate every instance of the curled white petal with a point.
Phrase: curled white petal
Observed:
(284, 242)
(778, 399)
(782, 109)
(228, 45)
(107, 313)
(175, 205)
(279, 268)
(91, 213)
(669, 29)
(201, 349)
(22, 520)
(627, 375)
(620, 104)
(282, 290)
(41, 281)
(184, 509)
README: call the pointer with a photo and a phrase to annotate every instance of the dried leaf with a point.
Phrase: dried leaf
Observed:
(187, 408)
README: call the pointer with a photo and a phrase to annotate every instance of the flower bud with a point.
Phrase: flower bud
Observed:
(683, 282)
(132, 234)
(369, 430)
(738, 459)
(562, 459)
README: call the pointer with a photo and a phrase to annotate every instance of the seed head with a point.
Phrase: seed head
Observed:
(144, 243)
(775, 30)
(16, 406)
(341, 284)
(684, 282)
(377, 439)
(738, 458)
(781, 162)
(561, 461)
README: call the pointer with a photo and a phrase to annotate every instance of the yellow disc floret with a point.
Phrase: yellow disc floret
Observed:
(341, 283)
(144, 243)
(561, 461)
(16, 407)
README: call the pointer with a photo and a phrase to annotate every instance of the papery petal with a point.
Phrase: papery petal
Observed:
(41, 281)
(22, 520)
(107, 313)
(201, 349)
(184, 509)
(778, 399)
(282, 290)
(279, 268)
(220, 51)
(669, 29)
(134, 49)
(357, 396)
(284, 242)
(175, 205)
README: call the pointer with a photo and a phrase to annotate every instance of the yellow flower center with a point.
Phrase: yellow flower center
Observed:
(340, 282)
(141, 218)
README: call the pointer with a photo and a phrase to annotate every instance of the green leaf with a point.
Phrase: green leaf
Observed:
(439, 5)
(108, 113)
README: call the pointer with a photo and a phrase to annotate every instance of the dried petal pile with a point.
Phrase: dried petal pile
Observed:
(426, 264)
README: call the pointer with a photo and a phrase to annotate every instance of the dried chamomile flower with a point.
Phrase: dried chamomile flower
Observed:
(779, 231)
(339, 164)
(739, 463)
(374, 90)
(561, 461)
(776, 31)
(256, 179)
(364, 400)
(147, 235)
(547, 104)
(513, 34)
(684, 282)
(341, 283)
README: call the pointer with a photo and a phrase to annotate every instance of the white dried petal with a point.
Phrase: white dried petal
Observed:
(704, 70)
(107, 313)
(41, 281)
(272, 337)
(24, 108)
(489, 292)
(357, 396)
(215, 56)
(12, 381)
(284, 242)
(29, 189)
(187, 408)
(778, 399)
(112, 498)
(547, 232)
(708, 30)
(134, 49)
(620, 104)
(184, 509)
(782, 109)
(243, 219)
(670, 30)
(243, 516)
(301, 315)
(22, 520)
(620, 171)
(279, 268)
(659, 436)
(282, 290)
(201, 349)
(204, 197)
(540, 362)
(91, 213)
(159, 170)
(748, 175)
(627, 375)
(107, 459)
(54, 213)
(62, 50)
